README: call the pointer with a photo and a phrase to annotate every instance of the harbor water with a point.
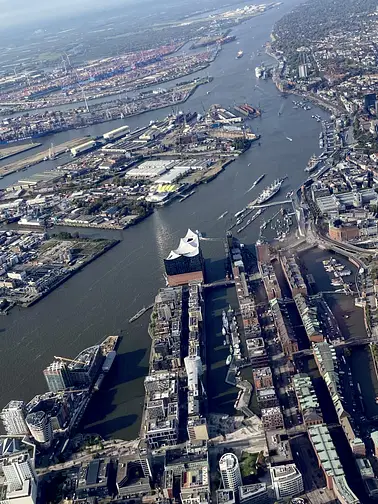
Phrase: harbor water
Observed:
(101, 298)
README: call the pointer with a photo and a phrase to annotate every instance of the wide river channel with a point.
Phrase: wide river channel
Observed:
(100, 299)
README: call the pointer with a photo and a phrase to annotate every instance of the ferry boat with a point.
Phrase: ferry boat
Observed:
(258, 180)
(239, 213)
(269, 191)
(141, 312)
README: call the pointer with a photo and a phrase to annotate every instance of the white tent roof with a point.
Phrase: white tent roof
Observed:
(188, 246)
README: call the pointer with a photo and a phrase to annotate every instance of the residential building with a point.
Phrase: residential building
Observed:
(57, 376)
(257, 354)
(13, 417)
(286, 481)
(272, 418)
(161, 420)
(267, 397)
(40, 427)
(262, 377)
(20, 478)
(187, 475)
(197, 429)
(230, 471)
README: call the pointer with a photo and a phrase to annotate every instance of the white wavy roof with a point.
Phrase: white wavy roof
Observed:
(188, 246)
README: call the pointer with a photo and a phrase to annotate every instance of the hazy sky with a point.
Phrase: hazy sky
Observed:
(21, 12)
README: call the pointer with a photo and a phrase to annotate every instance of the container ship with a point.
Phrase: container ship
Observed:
(239, 55)
(269, 192)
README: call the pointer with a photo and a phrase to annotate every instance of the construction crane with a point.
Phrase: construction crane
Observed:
(66, 359)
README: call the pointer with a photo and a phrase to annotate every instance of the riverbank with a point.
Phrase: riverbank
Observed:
(8, 152)
(20, 165)
(109, 244)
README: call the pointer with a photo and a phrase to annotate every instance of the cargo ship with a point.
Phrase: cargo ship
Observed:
(239, 55)
(313, 163)
(269, 192)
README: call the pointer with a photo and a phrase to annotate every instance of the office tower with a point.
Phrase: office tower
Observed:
(230, 471)
(40, 427)
(57, 376)
(20, 479)
(286, 481)
(13, 417)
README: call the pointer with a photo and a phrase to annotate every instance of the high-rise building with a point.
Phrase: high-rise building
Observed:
(287, 481)
(13, 417)
(57, 376)
(40, 427)
(185, 264)
(20, 478)
(230, 471)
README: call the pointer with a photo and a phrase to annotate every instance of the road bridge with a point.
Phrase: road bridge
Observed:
(219, 283)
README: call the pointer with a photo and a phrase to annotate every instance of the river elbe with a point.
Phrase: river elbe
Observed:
(100, 299)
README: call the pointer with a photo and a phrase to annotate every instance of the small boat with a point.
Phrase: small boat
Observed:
(223, 215)
(228, 360)
(223, 331)
(239, 213)
(290, 139)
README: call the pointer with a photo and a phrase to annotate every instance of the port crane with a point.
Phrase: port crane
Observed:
(66, 359)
